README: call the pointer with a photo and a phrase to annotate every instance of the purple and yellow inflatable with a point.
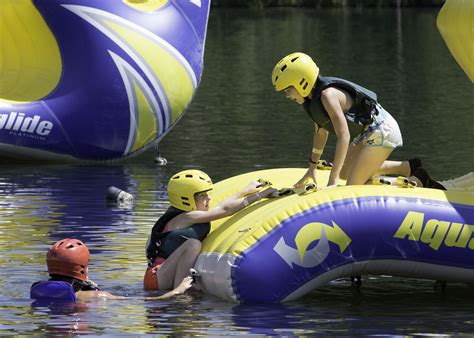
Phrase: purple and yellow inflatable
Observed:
(281, 249)
(96, 80)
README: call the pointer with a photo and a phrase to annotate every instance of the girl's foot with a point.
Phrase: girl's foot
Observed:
(414, 163)
(427, 182)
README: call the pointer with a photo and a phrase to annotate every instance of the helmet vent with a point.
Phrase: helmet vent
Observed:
(301, 82)
(276, 78)
(294, 59)
(283, 68)
(189, 175)
(305, 85)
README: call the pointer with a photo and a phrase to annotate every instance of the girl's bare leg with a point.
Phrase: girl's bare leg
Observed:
(351, 156)
(369, 161)
(177, 265)
(394, 168)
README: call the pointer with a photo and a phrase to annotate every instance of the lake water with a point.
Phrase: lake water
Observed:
(238, 124)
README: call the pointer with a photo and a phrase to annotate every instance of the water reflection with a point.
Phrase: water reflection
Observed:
(63, 319)
(269, 319)
(67, 200)
(383, 305)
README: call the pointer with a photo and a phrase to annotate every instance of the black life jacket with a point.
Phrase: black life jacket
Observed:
(158, 237)
(359, 115)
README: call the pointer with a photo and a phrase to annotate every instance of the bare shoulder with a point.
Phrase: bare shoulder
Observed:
(329, 91)
(332, 93)
(181, 221)
(331, 97)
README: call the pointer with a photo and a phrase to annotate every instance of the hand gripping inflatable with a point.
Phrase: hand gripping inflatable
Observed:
(96, 80)
(280, 249)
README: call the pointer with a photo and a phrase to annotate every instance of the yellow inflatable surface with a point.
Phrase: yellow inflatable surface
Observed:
(456, 25)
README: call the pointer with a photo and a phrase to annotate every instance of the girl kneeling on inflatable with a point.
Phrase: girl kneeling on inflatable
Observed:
(175, 240)
(351, 112)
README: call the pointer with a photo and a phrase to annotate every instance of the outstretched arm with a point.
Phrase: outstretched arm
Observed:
(180, 289)
(96, 294)
(251, 188)
(227, 207)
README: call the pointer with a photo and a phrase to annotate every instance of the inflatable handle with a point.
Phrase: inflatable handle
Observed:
(323, 165)
(406, 182)
(380, 181)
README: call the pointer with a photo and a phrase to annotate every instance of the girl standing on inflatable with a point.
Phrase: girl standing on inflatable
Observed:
(351, 112)
(68, 261)
(175, 240)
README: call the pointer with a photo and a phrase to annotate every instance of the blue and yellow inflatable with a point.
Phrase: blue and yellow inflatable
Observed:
(280, 249)
(96, 80)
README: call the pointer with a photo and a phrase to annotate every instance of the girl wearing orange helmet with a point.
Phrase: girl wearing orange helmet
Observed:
(351, 112)
(175, 240)
(68, 261)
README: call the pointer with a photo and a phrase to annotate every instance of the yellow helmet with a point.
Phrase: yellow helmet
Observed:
(184, 185)
(298, 70)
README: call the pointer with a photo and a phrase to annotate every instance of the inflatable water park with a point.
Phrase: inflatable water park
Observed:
(106, 80)
(280, 249)
(96, 80)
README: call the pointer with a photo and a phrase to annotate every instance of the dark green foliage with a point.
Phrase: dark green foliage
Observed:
(326, 3)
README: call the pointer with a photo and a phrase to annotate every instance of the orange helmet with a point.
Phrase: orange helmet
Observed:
(68, 257)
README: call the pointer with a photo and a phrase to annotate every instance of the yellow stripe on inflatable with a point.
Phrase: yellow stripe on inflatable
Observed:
(314, 231)
(237, 233)
(456, 25)
(146, 5)
(174, 78)
(146, 126)
(30, 62)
